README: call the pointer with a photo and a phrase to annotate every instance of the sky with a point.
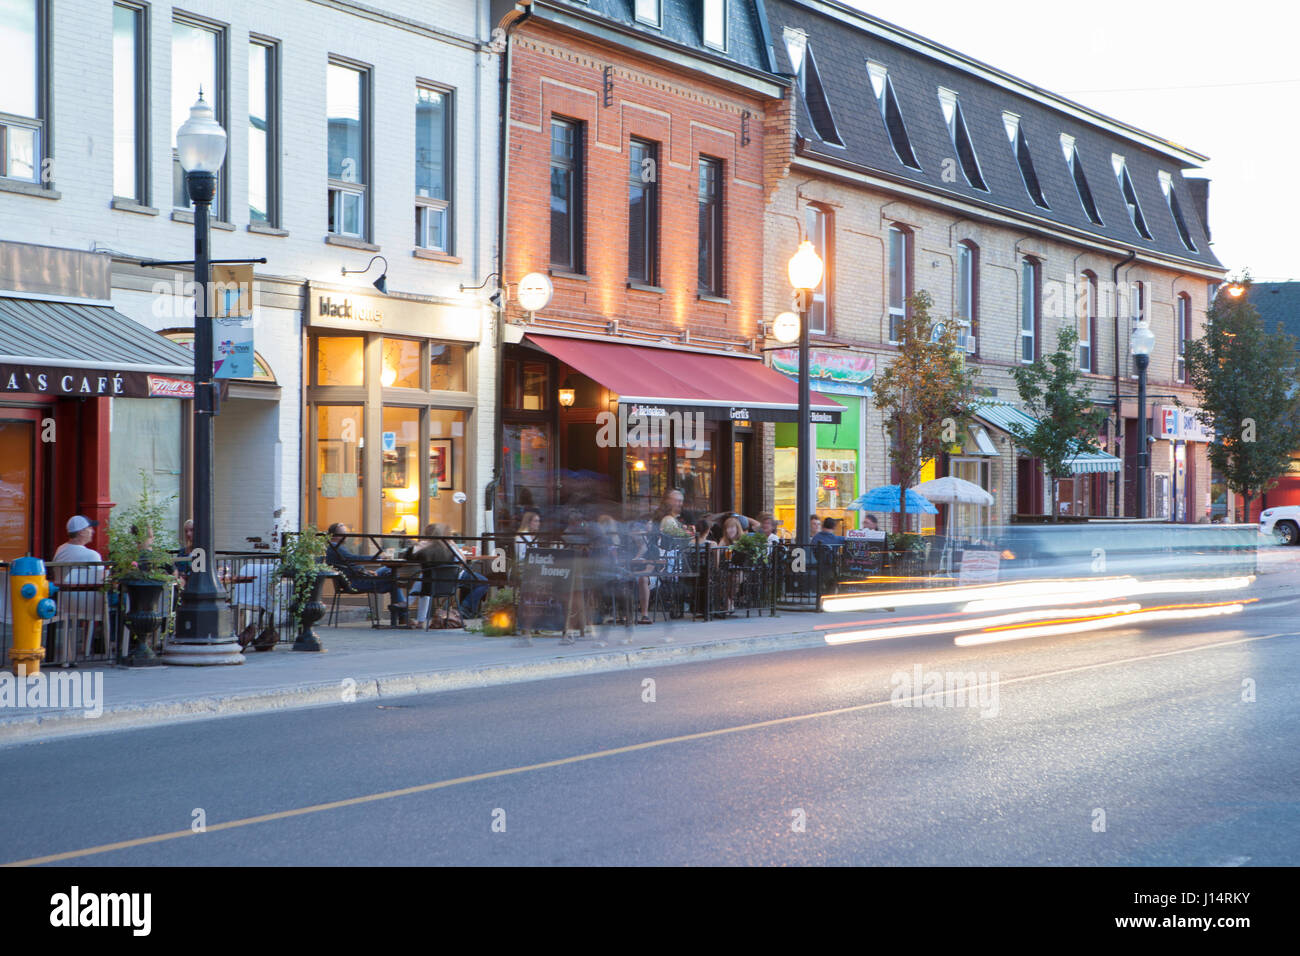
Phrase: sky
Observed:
(1222, 80)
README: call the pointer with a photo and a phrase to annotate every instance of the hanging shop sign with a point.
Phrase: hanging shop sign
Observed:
(1181, 424)
(831, 372)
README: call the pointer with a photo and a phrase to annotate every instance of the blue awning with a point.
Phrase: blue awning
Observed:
(1003, 415)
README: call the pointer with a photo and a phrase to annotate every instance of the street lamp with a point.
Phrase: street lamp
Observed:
(805, 275)
(1140, 344)
(199, 637)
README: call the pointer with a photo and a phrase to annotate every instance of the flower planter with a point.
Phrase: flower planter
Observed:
(143, 621)
(312, 611)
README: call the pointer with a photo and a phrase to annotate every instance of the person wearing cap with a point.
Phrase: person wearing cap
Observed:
(80, 532)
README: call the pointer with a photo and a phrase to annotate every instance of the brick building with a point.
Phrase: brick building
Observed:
(914, 167)
(651, 120)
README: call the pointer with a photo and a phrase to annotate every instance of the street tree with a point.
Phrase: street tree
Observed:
(1067, 420)
(926, 394)
(1245, 383)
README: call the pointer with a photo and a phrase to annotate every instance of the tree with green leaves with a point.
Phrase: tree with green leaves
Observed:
(1245, 385)
(1067, 420)
(926, 394)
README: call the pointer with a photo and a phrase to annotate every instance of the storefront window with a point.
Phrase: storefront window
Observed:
(340, 360)
(837, 484)
(338, 465)
(646, 479)
(447, 367)
(401, 364)
(446, 468)
(528, 466)
(695, 475)
(972, 521)
(533, 396)
(399, 450)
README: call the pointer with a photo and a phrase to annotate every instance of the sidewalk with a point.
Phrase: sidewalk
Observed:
(361, 663)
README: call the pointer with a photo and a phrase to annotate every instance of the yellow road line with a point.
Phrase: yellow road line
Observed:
(582, 758)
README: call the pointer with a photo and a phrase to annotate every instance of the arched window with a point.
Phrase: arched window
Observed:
(968, 295)
(900, 278)
(1086, 314)
(1183, 333)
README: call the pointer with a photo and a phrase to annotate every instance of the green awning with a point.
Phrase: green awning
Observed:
(1002, 415)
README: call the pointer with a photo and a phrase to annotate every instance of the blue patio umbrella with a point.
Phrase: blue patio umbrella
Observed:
(885, 498)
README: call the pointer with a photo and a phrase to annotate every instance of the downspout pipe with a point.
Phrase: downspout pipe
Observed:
(1119, 415)
(503, 141)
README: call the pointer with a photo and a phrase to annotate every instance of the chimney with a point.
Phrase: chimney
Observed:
(1201, 200)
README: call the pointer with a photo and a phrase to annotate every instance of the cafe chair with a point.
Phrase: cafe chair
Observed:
(341, 587)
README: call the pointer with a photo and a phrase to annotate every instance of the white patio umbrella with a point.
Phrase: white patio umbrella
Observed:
(954, 491)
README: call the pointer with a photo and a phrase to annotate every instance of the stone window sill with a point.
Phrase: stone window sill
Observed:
(130, 205)
(642, 287)
(185, 215)
(28, 189)
(713, 298)
(264, 230)
(558, 274)
(351, 243)
(433, 255)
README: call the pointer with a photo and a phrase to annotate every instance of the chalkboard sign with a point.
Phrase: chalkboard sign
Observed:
(546, 588)
(863, 552)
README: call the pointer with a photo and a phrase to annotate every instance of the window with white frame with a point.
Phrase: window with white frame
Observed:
(23, 90)
(1086, 315)
(817, 222)
(1029, 310)
(1184, 334)
(198, 65)
(130, 104)
(348, 119)
(967, 295)
(715, 24)
(263, 132)
(433, 152)
(900, 278)
(647, 11)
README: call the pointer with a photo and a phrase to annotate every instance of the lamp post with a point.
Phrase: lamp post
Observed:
(1140, 344)
(805, 275)
(199, 637)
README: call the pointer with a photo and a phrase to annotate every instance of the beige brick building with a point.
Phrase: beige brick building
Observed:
(914, 168)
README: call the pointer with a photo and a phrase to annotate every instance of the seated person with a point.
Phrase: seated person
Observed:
(827, 534)
(362, 579)
(440, 551)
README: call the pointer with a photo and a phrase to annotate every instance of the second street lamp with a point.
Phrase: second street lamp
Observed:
(805, 270)
(200, 637)
(1140, 343)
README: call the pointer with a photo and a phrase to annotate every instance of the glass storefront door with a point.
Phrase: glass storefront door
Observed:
(399, 494)
(445, 468)
(339, 442)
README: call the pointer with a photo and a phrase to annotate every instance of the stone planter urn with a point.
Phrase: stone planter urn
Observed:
(311, 612)
(143, 620)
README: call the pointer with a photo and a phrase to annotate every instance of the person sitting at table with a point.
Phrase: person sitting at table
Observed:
(643, 557)
(443, 550)
(529, 525)
(732, 532)
(362, 579)
(827, 534)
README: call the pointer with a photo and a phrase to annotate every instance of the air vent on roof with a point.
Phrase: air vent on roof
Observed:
(1080, 180)
(1130, 195)
(892, 115)
(960, 136)
(814, 95)
(1020, 145)
(1167, 185)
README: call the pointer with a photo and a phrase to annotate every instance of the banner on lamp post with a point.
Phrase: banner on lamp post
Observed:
(232, 323)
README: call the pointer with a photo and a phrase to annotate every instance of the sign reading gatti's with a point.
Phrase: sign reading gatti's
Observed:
(91, 383)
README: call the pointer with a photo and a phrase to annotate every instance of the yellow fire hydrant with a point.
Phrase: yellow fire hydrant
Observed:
(32, 596)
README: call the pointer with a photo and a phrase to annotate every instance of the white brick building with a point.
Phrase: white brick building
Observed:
(354, 131)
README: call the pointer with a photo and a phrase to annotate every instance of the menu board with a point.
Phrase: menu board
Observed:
(546, 588)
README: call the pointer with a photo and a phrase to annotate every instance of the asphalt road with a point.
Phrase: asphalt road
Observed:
(788, 758)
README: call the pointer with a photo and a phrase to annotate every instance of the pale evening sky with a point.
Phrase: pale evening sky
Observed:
(1221, 80)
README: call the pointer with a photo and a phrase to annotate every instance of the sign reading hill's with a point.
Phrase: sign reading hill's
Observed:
(91, 383)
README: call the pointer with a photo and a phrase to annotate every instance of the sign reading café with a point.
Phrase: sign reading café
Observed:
(91, 383)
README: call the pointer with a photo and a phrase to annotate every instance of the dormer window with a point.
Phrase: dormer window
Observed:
(960, 136)
(1130, 195)
(1080, 180)
(883, 88)
(1171, 197)
(714, 25)
(647, 11)
(1020, 146)
(810, 85)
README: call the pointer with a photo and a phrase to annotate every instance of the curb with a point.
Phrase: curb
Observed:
(58, 724)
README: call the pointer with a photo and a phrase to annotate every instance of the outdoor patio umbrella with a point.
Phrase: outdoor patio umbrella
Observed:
(953, 491)
(885, 498)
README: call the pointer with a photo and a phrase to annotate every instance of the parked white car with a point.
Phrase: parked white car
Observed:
(1282, 523)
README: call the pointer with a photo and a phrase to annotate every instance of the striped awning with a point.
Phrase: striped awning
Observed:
(1002, 415)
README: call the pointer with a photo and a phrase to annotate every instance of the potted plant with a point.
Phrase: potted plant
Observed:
(140, 555)
(751, 549)
(498, 612)
(302, 559)
(907, 550)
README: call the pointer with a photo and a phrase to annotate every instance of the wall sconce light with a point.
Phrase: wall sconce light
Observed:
(567, 397)
(381, 283)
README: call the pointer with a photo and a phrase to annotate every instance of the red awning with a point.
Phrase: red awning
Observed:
(720, 386)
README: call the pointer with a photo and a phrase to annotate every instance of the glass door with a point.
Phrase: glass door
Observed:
(17, 487)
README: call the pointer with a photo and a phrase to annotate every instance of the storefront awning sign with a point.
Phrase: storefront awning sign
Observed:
(1181, 424)
(831, 372)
